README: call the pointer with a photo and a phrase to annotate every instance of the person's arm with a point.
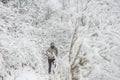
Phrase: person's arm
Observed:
(56, 52)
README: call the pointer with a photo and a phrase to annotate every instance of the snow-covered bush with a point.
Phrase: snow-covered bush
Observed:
(86, 33)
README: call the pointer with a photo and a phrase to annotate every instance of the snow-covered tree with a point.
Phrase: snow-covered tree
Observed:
(86, 33)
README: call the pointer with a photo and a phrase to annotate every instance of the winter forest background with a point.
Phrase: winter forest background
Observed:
(86, 32)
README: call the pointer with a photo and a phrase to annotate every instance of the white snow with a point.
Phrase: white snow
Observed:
(28, 26)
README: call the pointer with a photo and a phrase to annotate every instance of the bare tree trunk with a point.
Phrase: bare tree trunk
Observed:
(72, 61)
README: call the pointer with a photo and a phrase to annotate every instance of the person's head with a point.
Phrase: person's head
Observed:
(52, 44)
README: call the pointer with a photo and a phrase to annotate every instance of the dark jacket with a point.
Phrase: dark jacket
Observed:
(52, 53)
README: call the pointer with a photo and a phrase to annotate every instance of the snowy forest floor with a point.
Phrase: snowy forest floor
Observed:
(28, 26)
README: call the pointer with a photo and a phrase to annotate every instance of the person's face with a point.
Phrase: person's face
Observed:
(52, 46)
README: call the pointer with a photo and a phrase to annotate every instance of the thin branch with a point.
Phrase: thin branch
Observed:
(74, 38)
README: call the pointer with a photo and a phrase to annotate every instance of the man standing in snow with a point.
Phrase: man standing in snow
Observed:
(52, 53)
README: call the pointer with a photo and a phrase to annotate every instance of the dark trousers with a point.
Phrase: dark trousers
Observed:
(50, 63)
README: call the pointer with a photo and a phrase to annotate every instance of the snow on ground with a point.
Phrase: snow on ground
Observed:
(27, 74)
(25, 34)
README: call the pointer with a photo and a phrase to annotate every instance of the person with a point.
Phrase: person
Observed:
(52, 53)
